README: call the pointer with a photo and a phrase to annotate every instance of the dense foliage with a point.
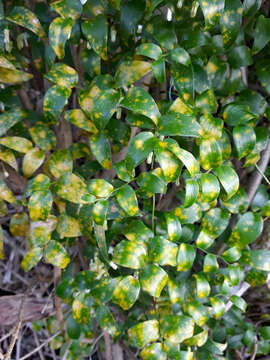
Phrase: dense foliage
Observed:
(131, 133)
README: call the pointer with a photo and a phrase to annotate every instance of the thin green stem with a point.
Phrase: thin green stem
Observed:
(153, 213)
(265, 178)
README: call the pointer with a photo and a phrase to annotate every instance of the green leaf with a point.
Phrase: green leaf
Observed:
(96, 32)
(188, 215)
(32, 161)
(261, 34)
(202, 286)
(210, 154)
(31, 258)
(177, 328)
(237, 203)
(130, 15)
(159, 70)
(68, 226)
(198, 312)
(256, 277)
(212, 11)
(183, 81)
(153, 352)
(151, 183)
(104, 107)
(54, 101)
(68, 8)
(101, 149)
(81, 309)
(192, 191)
(179, 55)
(100, 210)
(229, 180)
(122, 172)
(106, 321)
(244, 139)
(230, 21)
(72, 188)
(39, 205)
(17, 143)
(178, 125)
(141, 102)
(60, 163)
(59, 32)
(168, 162)
(206, 102)
(186, 256)
(238, 302)
(247, 230)
(218, 306)
(162, 251)
(62, 75)
(9, 118)
(127, 200)
(214, 222)
(237, 114)
(126, 292)
(216, 72)
(210, 263)
(150, 50)
(73, 328)
(26, 18)
(139, 149)
(263, 73)
(144, 332)
(240, 56)
(57, 255)
(129, 254)
(225, 145)
(43, 137)
(174, 228)
(153, 279)
(259, 259)
(210, 187)
(130, 71)
(185, 156)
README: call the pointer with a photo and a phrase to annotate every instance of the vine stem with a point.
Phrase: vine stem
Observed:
(153, 213)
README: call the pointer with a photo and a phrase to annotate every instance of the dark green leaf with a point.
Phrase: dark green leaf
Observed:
(95, 31)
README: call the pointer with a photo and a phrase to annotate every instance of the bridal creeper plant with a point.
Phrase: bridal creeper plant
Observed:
(133, 128)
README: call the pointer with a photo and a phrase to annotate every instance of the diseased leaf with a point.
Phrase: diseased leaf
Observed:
(177, 328)
(31, 258)
(237, 114)
(230, 21)
(95, 31)
(127, 200)
(229, 179)
(244, 139)
(43, 137)
(78, 118)
(106, 321)
(19, 224)
(62, 75)
(101, 149)
(259, 259)
(68, 226)
(143, 333)
(218, 306)
(261, 34)
(202, 286)
(13, 76)
(139, 148)
(162, 251)
(32, 161)
(153, 352)
(150, 50)
(174, 228)
(56, 254)
(210, 154)
(263, 72)
(68, 8)
(179, 55)
(141, 102)
(206, 102)
(178, 124)
(126, 292)
(129, 254)
(72, 188)
(130, 71)
(54, 101)
(139, 232)
(186, 256)
(168, 162)
(8, 157)
(192, 191)
(211, 127)
(26, 18)
(238, 302)
(210, 263)
(210, 187)
(99, 212)
(153, 279)
(59, 32)
(9, 118)
(17, 143)
(39, 205)
(104, 107)
(212, 10)
(60, 163)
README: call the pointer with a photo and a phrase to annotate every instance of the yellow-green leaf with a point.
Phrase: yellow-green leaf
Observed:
(59, 32)
(72, 188)
(6, 194)
(126, 292)
(62, 75)
(130, 71)
(39, 205)
(8, 157)
(129, 254)
(32, 161)
(68, 226)
(143, 333)
(17, 143)
(31, 258)
(57, 255)
(60, 163)
(100, 188)
(127, 200)
(153, 279)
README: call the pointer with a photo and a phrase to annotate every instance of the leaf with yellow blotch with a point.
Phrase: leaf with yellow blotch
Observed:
(40, 204)
(144, 333)
(129, 254)
(60, 163)
(130, 71)
(19, 224)
(72, 188)
(62, 75)
(57, 255)
(169, 163)
(78, 118)
(126, 292)
(68, 8)
(153, 279)
(32, 161)
(8, 157)
(79, 150)
(10, 117)
(43, 137)
(6, 194)
(68, 226)
(96, 32)
(59, 32)
(100, 188)
(127, 200)
(13, 76)
(31, 258)
(17, 143)
(54, 101)
(105, 105)
(27, 19)
(100, 147)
